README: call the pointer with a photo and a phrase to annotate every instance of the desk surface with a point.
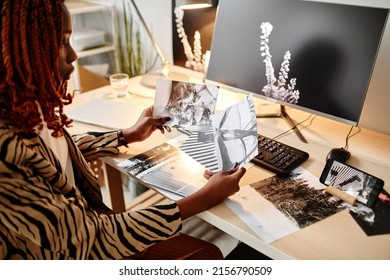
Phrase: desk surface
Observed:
(336, 237)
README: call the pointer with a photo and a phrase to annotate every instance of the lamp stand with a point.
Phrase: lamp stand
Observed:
(149, 79)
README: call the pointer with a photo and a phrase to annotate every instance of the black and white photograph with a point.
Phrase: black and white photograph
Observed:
(232, 138)
(168, 169)
(278, 206)
(375, 220)
(189, 105)
(146, 162)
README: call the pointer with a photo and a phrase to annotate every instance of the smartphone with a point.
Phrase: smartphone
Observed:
(365, 187)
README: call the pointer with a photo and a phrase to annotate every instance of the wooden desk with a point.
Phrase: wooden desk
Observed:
(336, 237)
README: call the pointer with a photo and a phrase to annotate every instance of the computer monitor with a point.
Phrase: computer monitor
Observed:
(327, 52)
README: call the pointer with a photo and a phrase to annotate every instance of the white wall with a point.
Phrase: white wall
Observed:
(376, 111)
(157, 13)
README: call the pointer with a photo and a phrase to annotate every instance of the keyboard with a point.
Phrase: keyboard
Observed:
(277, 157)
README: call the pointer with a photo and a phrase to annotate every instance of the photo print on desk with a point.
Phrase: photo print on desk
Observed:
(375, 220)
(231, 138)
(190, 105)
(278, 206)
(167, 169)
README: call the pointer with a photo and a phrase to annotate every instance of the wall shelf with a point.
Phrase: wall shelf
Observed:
(79, 11)
(84, 7)
(103, 49)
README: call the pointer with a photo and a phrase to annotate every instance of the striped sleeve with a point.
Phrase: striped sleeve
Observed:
(97, 144)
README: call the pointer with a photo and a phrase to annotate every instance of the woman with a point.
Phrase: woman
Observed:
(50, 201)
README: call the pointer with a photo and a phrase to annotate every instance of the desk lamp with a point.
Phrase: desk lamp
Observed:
(195, 58)
(193, 4)
(150, 79)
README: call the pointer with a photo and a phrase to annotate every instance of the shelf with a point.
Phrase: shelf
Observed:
(76, 8)
(106, 48)
(90, 14)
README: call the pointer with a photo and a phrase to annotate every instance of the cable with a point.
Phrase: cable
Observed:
(295, 126)
(349, 136)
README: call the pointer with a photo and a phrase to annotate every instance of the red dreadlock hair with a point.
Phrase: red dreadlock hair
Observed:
(31, 34)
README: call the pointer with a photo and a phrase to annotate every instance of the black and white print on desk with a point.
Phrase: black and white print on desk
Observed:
(167, 169)
(278, 206)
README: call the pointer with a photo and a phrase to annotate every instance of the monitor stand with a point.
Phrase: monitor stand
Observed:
(283, 114)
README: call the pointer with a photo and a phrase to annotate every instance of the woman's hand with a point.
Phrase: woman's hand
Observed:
(145, 126)
(220, 186)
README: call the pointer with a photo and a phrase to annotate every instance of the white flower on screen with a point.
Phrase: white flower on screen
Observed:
(281, 89)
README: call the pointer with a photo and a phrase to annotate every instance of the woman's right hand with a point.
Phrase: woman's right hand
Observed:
(220, 185)
(225, 183)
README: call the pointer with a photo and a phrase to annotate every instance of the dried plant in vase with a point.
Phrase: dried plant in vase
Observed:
(281, 89)
(195, 58)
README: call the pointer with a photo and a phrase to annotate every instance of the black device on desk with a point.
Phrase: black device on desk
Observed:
(339, 154)
(278, 157)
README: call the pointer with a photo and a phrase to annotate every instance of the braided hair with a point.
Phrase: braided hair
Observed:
(30, 82)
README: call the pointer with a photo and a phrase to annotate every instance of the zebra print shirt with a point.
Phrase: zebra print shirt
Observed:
(43, 216)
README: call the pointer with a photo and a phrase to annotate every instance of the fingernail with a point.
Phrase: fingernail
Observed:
(167, 118)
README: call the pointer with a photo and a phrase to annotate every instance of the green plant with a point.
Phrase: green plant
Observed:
(130, 54)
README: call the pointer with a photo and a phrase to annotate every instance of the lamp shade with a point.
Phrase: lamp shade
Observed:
(193, 4)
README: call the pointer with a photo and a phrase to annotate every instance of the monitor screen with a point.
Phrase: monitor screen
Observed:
(313, 56)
